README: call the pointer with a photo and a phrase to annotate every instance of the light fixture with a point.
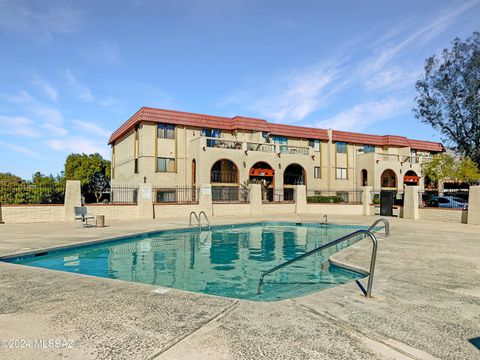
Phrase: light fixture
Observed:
(279, 154)
(244, 164)
(144, 179)
(204, 149)
(279, 165)
(246, 152)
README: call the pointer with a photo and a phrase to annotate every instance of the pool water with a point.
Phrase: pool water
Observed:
(226, 260)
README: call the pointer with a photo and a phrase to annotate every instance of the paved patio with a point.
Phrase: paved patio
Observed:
(426, 303)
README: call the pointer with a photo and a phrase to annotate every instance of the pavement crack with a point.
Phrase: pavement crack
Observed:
(200, 326)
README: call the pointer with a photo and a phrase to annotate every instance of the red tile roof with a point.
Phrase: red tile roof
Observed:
(246, 123)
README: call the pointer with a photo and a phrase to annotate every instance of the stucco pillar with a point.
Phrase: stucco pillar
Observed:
(255, 199)
(205, 199)
(474, 205)
(367, 200)
(300, 197)
(73, 198)
(410, 203)
(145, 201)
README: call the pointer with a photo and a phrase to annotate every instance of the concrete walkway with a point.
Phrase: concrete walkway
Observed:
(426, 303)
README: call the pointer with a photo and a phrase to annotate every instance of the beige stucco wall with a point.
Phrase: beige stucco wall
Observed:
(32, 213)
(335, 209)
(114, 212)
(438, 214)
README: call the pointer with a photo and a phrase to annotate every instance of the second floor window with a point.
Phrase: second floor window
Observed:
(215, 133)
(341, 173)
(368, 148)
(165, 164)
(315, 144)
(280, 140)
(341, 148)
(166, 131)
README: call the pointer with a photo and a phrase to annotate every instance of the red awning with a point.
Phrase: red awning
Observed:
(411, 178)
(262, 172)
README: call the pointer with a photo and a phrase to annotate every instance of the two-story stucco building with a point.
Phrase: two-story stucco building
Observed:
(178, 149)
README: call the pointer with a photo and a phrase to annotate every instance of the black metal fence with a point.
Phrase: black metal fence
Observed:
(22, 194)
(279, 196)
(124, 194)
(334, 196)
(229, 194)
(175, 195)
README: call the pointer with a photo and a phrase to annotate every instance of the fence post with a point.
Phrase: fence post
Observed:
(300, 197)
(1, 219)
(367, 200)
(145, 201)
(256, 199)
(205, 199)
(474, 205)
(73, 198)
(410, 203)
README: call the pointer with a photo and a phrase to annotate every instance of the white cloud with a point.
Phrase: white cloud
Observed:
(39, 19)
(362, 115)
(92, 128)
(78, 144)
(53, 120)
(82, 90)
(102, 53)
(20, 97)
(20, 149)
(46, 87)
(17, 126)
(109, 101)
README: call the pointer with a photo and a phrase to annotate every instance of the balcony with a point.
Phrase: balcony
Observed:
(224, 144)
(402, 159)
(263, 147)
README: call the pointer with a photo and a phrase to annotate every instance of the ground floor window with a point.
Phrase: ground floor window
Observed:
(341, 173)
(165, 196)
(165, 164)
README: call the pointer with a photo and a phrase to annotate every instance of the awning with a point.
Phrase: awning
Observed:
(411, 178)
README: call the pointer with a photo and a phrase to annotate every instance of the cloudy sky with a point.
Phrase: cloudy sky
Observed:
(73, 71)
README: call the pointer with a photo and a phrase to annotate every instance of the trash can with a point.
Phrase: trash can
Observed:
(100, 221)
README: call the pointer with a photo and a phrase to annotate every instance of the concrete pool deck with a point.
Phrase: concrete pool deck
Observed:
(426, 303)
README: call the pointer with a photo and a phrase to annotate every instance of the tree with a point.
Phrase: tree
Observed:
(445, 167)
(92, 171)
(449, 96)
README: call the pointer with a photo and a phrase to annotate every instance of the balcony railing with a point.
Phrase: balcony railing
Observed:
(268, 148)
(294, 150)
(224, 144)
(226, 177)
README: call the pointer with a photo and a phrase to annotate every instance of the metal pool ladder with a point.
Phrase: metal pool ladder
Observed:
(199, 218)
(373, 258)
(386, 227)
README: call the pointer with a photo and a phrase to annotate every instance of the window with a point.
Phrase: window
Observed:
(315, 144)
(341, 148)
(136, 166)
(165, 164)
(215, 133)
(316, 172)
(341, 173)
(165, 196)
(280, 140)
(166, 131)
(368, 148)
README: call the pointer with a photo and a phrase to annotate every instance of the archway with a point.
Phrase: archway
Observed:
(364, 178)
(388, 179)
(263, 174)
(294, 174)
(411, 178)
(224, 178)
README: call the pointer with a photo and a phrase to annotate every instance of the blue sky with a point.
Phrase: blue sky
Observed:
(73, 71)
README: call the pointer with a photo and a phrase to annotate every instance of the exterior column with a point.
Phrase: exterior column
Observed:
(256, 199)
(410, 203)
(474, 205)
(73, 198)
(205, 199)
(300, 197)
(367, 200)
(145, 201)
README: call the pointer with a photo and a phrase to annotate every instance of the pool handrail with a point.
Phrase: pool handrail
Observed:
(386, 228)
(196, 217)
(325, 246)
(200, 218)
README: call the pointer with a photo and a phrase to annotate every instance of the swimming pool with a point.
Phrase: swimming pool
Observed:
(226, 260)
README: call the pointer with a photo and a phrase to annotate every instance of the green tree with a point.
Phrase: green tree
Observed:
(449, 96)
(92, 171)
(13, 190)
(445, 167)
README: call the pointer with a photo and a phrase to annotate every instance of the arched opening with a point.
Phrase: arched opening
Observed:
(411, 178)
(263, 174)
(224, 178)
(388, 179)
(364, 177)
(293, 175)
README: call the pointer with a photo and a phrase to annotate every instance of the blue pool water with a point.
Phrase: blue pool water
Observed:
(225, 261)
